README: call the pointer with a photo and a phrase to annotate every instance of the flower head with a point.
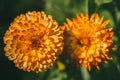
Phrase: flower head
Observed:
(88, 42)
(33, 41)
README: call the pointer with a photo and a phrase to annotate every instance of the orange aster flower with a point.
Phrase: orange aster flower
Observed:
(87, 41)
(33, 41)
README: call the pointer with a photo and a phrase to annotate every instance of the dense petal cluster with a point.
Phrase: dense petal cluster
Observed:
(87, 41)
(33, 41)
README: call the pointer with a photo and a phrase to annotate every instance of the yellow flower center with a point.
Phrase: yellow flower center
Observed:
(85, 41)
(35, 43)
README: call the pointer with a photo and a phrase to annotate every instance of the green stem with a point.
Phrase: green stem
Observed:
(85, 73)
(86, 6)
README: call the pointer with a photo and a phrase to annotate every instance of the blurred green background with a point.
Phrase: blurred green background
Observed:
(62, 9)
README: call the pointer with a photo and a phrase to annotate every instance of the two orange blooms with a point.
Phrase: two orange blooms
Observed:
(34, 41)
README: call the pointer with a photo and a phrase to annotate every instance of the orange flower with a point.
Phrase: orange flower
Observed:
(33, 41)
(88, 42)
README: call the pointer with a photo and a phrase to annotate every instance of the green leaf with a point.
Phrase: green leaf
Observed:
(108, 16)
(100, 2)
(107, 1)
(65, 9)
